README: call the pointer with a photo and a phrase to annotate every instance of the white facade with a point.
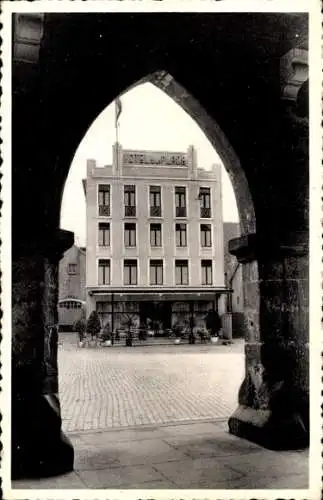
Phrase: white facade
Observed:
(144, 172)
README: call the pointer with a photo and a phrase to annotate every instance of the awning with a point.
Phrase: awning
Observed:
(140, 294)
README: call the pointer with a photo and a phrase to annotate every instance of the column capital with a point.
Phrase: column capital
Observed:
(253, 246)
(48, 244)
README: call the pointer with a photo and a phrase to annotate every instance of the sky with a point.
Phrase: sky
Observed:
(149, 120)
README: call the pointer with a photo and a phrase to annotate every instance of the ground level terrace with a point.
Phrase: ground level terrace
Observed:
(157, 310)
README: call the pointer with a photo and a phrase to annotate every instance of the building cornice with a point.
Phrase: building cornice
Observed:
(151, 178)
(158, 292)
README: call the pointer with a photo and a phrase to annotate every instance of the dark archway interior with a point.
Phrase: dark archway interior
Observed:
(226, 73)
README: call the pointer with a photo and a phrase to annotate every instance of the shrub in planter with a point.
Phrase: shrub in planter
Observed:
(106, 336)
(203, 334)
(129, 323)
(177, 332)
(93, 326)
(191, 336)
(142, 335)
(213, 324)
(79, 327)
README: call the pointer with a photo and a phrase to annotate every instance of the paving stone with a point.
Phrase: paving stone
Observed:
(66, 481)
(201, 473)
(127, 435)
(128, 453)
(267, 463)
(121, 477)
(287, 482)
(157, 485)
(191, 429)
(211, 445)
(94, 457)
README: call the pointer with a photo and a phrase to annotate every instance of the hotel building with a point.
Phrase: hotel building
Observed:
(154, 237)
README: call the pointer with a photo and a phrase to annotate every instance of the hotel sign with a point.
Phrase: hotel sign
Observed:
(154, 158)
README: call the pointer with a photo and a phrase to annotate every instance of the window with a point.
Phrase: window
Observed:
(155, 201)
(181, 239)
(104, 200)
(205, 202)
(130, 200)
(103, 307)
(130, 235)
(181, 272)
(206, 272)
(130, 272)
(104, 272)
(180, 201)
(206, 240)
(155, 235)
(104, 235)
(104, 311)
(71, 269)
(156, 272)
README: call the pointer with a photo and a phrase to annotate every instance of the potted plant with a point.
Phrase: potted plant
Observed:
(202, 333)
(106, 336)
(213, 324)
(191, 336)
(177, 332)
(142, 335)
(93, 326)
(129, 323)
(79, 327)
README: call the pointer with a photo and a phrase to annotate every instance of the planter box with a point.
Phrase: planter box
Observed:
(214, 340)
(107, 343)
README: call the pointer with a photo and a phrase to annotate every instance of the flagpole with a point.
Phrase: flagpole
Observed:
(118, 108)
(117, 137)
(117, 131)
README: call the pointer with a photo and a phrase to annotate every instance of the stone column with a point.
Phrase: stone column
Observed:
(39, 448)
(274, 397)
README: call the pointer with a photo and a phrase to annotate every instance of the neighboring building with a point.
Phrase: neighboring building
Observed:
(72, 278)
(154, 237)
(233, 274)
(72, 293)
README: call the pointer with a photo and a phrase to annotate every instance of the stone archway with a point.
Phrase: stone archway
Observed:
(271, 143)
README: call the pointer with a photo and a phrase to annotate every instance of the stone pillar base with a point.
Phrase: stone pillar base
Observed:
(39, 447)
(275, 432)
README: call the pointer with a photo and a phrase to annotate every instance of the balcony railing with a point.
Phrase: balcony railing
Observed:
(205, 213)
(130, 211)
(180, 211)
(104, 210)
(155, 211)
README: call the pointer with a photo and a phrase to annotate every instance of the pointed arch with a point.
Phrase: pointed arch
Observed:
(167, 83)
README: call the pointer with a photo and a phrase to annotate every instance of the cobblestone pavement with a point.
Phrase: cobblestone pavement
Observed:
(106, 388)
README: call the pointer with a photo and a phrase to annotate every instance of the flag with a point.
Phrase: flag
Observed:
(118, 109)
